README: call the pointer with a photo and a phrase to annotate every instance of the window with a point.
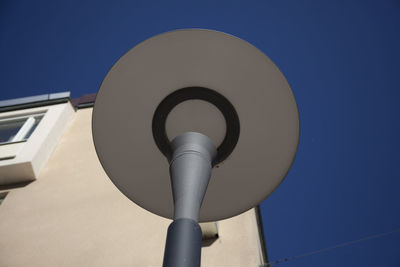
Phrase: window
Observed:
(18, 129)
(27, 138)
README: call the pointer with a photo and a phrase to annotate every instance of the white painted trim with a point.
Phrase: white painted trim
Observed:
(23, 131)
(33, 154)
(10, 150)
(26, 127)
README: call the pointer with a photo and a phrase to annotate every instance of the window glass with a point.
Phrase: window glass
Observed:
(16, 130)
(8, 129)
(37, 120)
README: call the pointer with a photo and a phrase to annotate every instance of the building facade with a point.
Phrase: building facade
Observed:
(58, 207)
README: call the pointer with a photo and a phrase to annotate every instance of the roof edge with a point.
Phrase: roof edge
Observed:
(34, 101)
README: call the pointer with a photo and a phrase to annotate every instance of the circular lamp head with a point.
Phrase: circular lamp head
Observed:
(204, 81)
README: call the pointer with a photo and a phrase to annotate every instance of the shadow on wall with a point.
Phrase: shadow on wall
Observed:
(209, 241)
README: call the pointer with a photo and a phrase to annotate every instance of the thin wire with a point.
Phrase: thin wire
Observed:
(330, 248)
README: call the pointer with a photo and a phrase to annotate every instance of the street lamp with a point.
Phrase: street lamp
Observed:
(245, 129)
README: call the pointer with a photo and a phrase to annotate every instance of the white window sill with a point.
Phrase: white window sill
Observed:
(10, 150)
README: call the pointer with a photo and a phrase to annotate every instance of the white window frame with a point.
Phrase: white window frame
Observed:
(23, 161)
(25, 128)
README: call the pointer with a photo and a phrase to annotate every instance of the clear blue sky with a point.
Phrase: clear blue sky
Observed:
(341, 59)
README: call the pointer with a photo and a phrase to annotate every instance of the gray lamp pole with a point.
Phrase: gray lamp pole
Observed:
(130, 131)
(190, 171)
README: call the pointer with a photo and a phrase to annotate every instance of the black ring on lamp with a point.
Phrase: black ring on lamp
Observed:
(201, 93)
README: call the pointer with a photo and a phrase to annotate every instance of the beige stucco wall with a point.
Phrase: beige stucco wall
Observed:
(72, 215)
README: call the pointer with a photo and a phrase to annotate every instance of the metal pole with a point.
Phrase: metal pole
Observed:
(190, 171)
